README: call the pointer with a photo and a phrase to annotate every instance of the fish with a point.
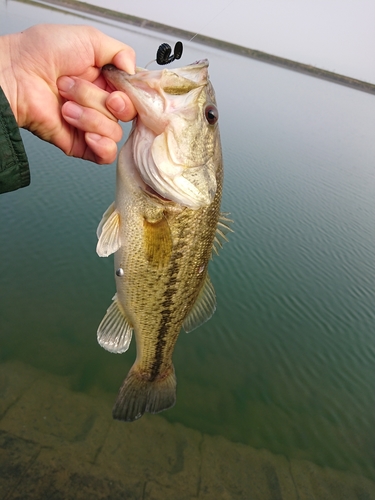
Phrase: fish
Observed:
(163, 227)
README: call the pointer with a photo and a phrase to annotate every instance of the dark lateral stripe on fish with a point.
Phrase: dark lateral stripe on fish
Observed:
(160, 346)
(166, 313)
(161, 342)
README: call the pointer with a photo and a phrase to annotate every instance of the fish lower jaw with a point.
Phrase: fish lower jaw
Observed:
(177, 200)
(150, 191)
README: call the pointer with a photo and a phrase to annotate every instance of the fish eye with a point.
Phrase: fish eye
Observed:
(212, 114)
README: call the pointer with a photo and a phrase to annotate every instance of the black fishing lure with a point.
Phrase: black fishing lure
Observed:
(164, 56)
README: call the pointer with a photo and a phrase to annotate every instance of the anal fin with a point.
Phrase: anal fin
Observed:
(203, 308)
(114, 332)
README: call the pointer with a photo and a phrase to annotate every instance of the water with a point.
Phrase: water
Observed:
(286, 364)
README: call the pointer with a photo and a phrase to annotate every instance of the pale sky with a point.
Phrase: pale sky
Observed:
(336, 35)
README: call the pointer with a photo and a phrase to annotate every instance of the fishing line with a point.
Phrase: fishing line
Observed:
(164, 55)
(212, 19)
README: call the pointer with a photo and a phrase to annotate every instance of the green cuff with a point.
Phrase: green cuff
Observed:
(14, 166)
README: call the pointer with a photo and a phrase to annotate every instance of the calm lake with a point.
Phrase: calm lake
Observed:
(286, 364)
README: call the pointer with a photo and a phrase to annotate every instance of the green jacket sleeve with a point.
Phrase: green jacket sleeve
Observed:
(14, 167)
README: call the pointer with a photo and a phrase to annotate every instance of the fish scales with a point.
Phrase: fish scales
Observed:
(162, 228)
(156, 293)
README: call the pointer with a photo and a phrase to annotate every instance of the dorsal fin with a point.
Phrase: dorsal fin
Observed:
(108, 232)
(114, 332)
(203, 308)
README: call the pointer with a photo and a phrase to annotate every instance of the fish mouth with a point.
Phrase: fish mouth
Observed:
(111, 72)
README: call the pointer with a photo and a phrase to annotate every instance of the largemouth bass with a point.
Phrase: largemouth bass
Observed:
(163, 226)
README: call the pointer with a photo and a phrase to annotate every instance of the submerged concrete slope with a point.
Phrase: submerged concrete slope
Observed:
(60, 444)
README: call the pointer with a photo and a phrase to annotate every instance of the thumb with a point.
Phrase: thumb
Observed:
(111, 51)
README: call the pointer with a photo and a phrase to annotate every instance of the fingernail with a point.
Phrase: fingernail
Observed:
(125, 60)
(65, 83)
(117, 104)
(72, 110)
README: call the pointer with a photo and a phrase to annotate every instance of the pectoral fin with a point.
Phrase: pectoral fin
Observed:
(203, 308)
(114, 332)
(108, 232)
(157, 240)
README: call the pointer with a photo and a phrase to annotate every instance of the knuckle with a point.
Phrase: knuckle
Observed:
(106, 127)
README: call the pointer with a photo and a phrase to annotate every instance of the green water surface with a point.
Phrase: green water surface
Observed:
(287, 361)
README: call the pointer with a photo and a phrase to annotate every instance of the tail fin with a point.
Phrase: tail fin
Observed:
(137, 395)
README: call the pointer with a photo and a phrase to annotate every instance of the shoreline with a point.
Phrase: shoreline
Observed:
(212, 42)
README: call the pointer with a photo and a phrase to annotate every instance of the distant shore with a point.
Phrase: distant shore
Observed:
(213, 42)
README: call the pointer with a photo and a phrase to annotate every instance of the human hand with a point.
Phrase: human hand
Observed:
(78, 113)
